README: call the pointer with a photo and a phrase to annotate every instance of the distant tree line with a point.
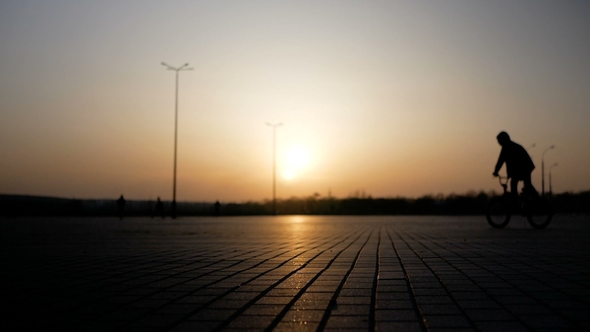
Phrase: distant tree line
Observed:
(471, 203)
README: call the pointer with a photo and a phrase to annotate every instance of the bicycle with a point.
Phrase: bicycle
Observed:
(537, 209)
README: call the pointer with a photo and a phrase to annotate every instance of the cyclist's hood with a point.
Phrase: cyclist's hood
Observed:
(503, 138)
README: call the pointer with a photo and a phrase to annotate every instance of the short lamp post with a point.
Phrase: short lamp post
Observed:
(543, 168)
(550, 188)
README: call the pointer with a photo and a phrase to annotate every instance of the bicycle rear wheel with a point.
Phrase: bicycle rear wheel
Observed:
(540, 212)
(498, 213)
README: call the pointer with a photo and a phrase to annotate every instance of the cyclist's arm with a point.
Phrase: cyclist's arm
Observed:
(501, 160)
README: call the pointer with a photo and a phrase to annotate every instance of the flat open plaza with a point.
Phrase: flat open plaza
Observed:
(296, 273)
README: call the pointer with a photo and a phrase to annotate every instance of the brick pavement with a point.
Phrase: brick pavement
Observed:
(294, 273)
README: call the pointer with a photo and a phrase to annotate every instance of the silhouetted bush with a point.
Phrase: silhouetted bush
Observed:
(569, 203)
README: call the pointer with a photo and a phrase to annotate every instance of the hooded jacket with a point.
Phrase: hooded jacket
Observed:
(518, 162)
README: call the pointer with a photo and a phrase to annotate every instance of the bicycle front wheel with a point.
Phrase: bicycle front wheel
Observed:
(498, 213)
(540, 212)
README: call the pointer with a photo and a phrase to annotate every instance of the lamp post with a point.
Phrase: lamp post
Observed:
(177, 70)
(550, 188)
(543, 168)
(274, 165)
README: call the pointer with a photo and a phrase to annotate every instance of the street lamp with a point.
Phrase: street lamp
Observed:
(274, 164)
(177, 70)
(551, 189)
(543, 168)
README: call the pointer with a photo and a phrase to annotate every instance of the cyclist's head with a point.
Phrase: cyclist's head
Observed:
(503, 138)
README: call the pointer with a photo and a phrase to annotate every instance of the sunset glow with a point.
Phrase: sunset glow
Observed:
(396, 98)
(296, 163)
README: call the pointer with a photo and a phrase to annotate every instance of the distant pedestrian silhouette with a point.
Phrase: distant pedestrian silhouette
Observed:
(159, 208)
(217, 207)
(121, 206)
(519, 164)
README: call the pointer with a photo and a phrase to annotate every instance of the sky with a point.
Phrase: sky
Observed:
(393, 98)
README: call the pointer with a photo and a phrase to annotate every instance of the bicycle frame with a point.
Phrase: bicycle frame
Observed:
(537, 209)
(504, 184)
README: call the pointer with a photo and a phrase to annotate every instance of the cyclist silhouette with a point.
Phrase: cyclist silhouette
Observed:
(519, 164)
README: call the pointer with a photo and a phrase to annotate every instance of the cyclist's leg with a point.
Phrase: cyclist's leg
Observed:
(528, 186)
(514, 193)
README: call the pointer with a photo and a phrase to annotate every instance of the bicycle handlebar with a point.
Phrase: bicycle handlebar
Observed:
(503, 183)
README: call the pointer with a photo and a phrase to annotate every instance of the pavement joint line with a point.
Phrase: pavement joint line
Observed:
(408, 286)
(533, 276)
(261, 294)
(147, 274)
(187, 281)
(200, 287)
(375, 280)
(442, 272)
(169, 276)
(531, 296)
(227, 277)
(333, 301)
(119, 282)
(491, 296)
(282, 314)
(448, 292)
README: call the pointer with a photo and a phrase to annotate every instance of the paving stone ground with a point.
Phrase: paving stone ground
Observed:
(294, 273)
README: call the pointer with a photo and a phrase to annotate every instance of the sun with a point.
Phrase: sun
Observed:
(296, 159)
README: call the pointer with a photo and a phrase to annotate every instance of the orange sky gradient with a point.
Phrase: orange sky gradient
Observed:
(397, 98)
